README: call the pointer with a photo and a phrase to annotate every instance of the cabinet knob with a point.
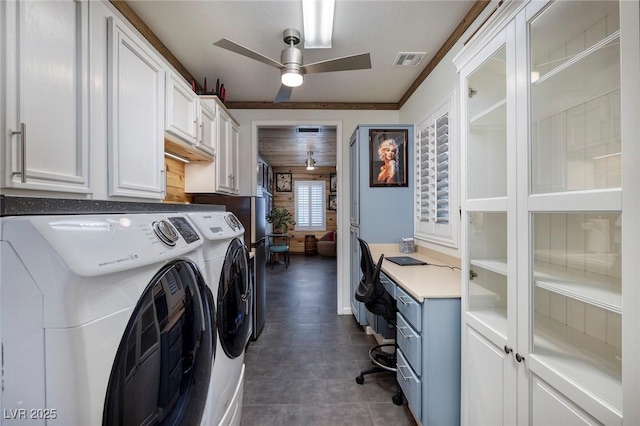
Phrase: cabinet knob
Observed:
(507, 349)
(519, 357)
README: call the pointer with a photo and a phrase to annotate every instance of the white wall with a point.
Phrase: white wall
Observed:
(432, 92)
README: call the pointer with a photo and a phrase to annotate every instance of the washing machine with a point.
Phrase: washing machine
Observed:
(104, 319)
(226, 261)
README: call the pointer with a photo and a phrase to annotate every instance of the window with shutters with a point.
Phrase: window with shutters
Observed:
(310, 205)
(436, 217)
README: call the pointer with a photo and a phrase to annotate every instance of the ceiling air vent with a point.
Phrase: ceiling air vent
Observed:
(409, 59)
(308, 130)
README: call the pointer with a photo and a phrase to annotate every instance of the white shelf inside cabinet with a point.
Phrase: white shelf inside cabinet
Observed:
(595, 289)
(494, 318)
(497, 265)
(494, 116)
(584, 360)
(572, 75)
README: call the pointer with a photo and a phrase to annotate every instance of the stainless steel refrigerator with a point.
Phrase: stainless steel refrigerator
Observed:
(251, 212)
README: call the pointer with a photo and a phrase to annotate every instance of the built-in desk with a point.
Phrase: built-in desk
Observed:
(428, 334)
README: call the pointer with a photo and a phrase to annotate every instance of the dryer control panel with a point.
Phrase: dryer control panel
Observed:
(217, 225)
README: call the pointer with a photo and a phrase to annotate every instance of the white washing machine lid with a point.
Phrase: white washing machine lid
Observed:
(216, 226)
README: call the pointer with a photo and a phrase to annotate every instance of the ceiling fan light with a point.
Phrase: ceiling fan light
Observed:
(317, 16)
(291, 78)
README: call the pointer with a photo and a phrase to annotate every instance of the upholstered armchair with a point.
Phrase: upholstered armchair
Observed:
(327, 244)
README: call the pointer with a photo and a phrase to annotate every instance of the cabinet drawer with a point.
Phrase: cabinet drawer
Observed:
(388, 284)
(409, 308)
(410, 384)
(411, 344)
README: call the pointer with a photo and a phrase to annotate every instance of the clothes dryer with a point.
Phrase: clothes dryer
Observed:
(226, 261)
(105, 319)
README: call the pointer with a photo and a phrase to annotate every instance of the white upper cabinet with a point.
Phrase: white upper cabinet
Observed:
(220, 135)
(181, 109)
(207, 128)
(45, 95)
(136, 116)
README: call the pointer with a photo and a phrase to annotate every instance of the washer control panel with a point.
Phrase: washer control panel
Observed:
(98, 244)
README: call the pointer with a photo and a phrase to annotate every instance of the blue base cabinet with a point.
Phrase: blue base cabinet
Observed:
(428, 337)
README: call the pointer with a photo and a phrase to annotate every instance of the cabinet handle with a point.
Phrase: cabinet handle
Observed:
(201, 133)
(507, 349)
(402, 300)
(519, 357)
(23, 152)
(164, 180)
(405, 378)
(401, 333)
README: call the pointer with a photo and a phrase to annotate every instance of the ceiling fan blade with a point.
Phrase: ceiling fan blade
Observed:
(284, 94)
(225, 43)
(361, 61)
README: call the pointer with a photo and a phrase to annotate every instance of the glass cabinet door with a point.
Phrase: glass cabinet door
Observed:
(575, 97)
(485, 171)
(575, 283)
(486, 160)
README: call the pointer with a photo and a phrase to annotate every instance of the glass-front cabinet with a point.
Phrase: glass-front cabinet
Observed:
(549, 117)
(574, 207)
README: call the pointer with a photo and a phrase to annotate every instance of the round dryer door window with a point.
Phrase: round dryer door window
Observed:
(168, 343)
(235, 299)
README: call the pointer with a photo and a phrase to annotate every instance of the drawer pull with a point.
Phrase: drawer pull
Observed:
(402, 300)
(405, 378)
(401, 333)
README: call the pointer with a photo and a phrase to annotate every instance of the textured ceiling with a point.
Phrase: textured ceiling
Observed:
(383, 28)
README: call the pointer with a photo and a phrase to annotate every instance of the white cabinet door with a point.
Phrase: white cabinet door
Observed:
(207, 138)
(45, 95)
(220, 136)
(222, 159)
(234, 156)
(181, 109)
(489, 377)
(136, 116)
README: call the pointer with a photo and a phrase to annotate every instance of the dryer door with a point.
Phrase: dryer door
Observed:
(169, 341)
(235, 299)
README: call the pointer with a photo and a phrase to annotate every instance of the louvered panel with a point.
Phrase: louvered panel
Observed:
(426, 179)
(442, 169)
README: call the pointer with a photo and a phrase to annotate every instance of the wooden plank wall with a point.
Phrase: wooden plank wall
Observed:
(175, 182)
(286, 200)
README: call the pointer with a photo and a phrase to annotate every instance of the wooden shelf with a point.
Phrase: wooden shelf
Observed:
(494, 318)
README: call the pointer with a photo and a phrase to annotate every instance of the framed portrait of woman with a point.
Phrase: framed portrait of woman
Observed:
(388, 157)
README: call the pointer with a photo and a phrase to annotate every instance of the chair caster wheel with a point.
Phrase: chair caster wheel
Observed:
(397, 399)
(360, 380)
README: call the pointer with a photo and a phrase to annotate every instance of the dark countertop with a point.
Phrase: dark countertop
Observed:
(31, 206)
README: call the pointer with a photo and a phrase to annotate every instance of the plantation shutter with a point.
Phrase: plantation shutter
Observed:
(434, 220)
(310, 205)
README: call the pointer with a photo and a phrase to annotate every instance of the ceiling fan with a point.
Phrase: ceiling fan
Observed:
(290, 65)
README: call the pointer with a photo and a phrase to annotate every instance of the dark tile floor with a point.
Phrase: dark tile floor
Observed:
(302, 368)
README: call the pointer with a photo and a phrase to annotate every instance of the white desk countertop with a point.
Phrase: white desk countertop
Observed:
(420, 281)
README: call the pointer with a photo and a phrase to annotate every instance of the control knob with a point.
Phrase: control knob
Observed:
(165, 232)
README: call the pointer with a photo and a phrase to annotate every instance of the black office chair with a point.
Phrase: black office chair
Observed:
(378, 301)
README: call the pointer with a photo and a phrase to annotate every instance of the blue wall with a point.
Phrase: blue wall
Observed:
(386, 213)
